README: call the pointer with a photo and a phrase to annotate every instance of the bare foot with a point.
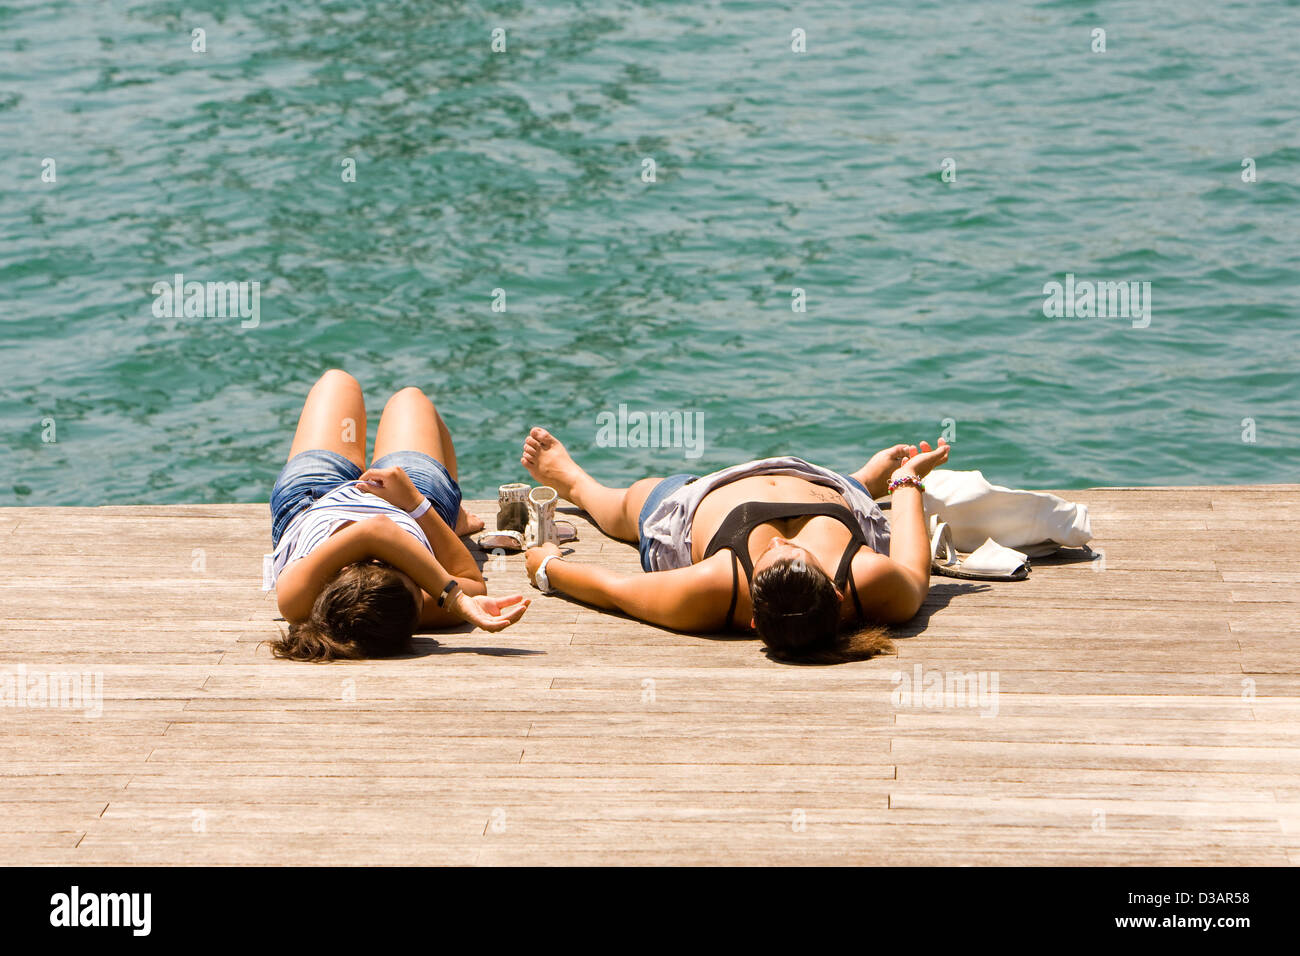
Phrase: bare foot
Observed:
(548, 461)
(467, 523)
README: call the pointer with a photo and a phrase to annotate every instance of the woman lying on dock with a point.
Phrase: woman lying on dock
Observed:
(793, 551)
(364, 556)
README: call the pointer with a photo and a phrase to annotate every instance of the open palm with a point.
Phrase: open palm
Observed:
(921, 461)
(491, 613)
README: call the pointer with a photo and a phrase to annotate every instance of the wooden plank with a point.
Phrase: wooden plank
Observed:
(1159, 688)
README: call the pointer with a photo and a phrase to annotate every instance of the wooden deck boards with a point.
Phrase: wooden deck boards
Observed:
(1147, 711)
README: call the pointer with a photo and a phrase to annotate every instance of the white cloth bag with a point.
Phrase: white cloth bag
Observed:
(1033, 522)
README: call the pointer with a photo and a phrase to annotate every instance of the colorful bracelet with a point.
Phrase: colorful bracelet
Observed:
(895, 483)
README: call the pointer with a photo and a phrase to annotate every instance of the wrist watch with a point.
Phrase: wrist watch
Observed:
(539, 577)
(447, 590)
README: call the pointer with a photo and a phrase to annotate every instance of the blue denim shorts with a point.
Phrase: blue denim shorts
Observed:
(657, 494)
(310, 475)
(665, 488)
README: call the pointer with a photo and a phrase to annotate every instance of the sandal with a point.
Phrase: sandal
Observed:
(523, 511)
(989, 562)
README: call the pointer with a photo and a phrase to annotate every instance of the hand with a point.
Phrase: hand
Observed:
(883, 464)
(393, 485)
(489, 613)
(533, 558)
(920, 462)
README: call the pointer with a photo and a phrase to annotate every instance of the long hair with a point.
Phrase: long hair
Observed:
(797, 615)
(366, 611)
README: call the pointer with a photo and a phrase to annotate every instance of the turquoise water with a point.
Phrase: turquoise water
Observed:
(774, 170)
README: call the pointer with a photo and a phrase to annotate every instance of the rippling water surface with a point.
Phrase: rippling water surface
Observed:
(775, 170)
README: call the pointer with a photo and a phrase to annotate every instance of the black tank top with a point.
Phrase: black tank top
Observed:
(734, 531)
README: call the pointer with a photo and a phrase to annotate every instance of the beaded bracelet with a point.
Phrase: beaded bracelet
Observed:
(895, 483)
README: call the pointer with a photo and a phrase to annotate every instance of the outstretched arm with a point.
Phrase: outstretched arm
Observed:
(896, 586)
(686, 599)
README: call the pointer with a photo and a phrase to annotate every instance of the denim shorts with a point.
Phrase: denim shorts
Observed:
(310, 475)
(665, 488)
(657, 494)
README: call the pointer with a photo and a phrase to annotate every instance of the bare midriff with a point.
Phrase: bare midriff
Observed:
(824, 536)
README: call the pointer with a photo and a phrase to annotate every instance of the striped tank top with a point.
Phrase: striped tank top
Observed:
(345, 503)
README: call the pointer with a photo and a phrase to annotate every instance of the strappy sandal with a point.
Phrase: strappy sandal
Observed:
(533, 512)
(510, 541)
(989, 562)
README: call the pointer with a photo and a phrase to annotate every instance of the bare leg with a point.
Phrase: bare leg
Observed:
(334, 418)
(615, 510)
(410, 422)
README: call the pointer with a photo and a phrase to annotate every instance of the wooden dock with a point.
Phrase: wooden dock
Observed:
(1147, 710)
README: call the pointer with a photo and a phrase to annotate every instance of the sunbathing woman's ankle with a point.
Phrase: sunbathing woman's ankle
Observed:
(467, 523)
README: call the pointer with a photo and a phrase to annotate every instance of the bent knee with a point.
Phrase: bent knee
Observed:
(410, 394)
(337, 376)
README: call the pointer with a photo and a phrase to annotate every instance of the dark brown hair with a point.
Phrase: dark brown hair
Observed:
(366, 611)
(797, 615)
